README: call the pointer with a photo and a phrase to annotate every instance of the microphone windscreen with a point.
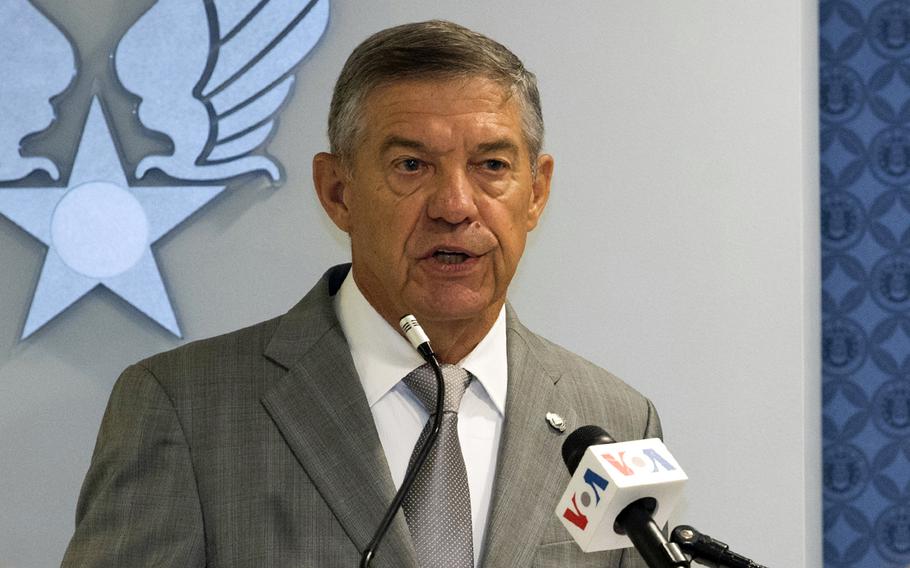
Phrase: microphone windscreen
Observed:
(608, 477)
(578, 441)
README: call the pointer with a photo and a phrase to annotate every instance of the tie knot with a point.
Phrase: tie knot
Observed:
(422, 382)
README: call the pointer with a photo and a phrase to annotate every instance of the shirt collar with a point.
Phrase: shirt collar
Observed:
(382, 356)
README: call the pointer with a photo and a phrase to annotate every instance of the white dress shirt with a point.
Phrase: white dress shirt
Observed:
(383, 357)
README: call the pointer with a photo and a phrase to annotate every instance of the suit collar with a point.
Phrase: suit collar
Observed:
(320, 408)
(530, 474)
(305, 323)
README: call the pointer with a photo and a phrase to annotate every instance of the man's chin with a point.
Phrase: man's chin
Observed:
(448, 307)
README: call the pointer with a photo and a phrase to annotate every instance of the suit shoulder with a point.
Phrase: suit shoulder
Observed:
(562, 362)
(599, 396)
(233, 350)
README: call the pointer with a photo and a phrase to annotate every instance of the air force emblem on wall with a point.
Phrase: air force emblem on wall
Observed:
(211, 76)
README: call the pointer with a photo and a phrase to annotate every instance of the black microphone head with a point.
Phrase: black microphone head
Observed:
(578, 441)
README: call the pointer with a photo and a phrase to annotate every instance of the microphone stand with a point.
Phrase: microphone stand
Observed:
(423, 347)
(636, 522)
(708, 551)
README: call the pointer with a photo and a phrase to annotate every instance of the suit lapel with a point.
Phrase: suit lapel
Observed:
(321, 410)
(530, 474)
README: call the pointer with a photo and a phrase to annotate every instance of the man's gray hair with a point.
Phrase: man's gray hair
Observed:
(428, 50)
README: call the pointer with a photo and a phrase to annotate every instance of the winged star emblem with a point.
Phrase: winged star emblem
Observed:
(216, 98)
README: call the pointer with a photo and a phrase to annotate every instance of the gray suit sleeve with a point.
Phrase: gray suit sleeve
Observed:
(652, 429)
(139, 504)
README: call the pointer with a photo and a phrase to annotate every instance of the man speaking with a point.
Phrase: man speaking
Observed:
(283, 444)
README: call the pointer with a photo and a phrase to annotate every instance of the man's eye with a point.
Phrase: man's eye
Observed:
(409, 165)
(495, 165)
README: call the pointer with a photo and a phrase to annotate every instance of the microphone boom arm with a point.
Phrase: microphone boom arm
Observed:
(708, 551)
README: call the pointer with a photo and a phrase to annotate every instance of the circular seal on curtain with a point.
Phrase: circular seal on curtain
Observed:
(890, 282)
(840, 93)
(889, 156)
(843, 346)
(842, 220)
(891, 408)
(846, 472)
(892, 534)
(888, 29)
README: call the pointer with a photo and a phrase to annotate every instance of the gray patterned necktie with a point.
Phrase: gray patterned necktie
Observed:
(438, 507)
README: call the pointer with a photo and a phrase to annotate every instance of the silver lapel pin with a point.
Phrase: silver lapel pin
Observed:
(556, 421)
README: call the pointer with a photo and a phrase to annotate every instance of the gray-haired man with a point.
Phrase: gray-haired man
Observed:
(282, 444)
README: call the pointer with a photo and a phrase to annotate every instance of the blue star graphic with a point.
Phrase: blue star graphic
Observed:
(99, 230)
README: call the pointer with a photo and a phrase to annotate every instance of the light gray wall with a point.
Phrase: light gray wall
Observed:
(679, 250)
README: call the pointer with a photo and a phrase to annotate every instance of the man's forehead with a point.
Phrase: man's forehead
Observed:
(455, 93)
(406, 113)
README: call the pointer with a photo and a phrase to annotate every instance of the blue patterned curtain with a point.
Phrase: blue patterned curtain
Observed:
(865, 222)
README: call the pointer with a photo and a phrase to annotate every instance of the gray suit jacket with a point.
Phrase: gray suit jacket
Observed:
(258, 448)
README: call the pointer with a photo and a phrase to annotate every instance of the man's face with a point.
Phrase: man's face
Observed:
(439, 199)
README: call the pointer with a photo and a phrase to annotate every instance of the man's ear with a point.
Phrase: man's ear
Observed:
(331, 182)
(540, 189)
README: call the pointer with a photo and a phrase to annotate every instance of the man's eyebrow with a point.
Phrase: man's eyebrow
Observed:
(497, 145)
(398, 141)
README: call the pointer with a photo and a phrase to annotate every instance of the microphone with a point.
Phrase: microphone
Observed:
(421, 342)
(620, 494)
(417, 336)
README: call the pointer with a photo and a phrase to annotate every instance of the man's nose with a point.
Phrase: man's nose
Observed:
(453, 197)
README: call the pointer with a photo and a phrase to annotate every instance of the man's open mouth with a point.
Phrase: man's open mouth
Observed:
(450, 257)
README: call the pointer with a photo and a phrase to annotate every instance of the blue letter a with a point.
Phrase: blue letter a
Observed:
(595, 481)
(657, 459)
